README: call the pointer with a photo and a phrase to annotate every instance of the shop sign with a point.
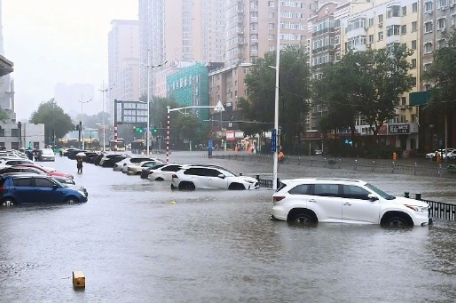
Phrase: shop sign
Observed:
(394, 129)
(230, 135)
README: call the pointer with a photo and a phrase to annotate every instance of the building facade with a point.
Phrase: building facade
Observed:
(123, 62)
(182, 30)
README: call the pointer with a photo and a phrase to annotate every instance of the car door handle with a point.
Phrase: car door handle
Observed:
(347, 203)
(312, 200)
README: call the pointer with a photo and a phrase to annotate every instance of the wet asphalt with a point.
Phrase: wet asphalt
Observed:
(138, 241)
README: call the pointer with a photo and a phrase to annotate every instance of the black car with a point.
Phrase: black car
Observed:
(113, 159)
(72, 154)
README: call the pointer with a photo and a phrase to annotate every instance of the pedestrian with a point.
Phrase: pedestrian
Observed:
(281, 156)
(79, 164)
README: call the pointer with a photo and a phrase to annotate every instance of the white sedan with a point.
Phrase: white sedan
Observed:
(135, 169)
(210, 177)
(165, 172)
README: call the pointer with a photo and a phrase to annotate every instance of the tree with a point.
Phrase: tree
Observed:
(293, 96)
(54, 120)
(441, 74)
(336, 92)
(3, 115)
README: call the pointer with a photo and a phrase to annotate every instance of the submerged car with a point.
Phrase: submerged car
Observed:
(312, 201)
(46, 155)
(207, 177)
(35, 189)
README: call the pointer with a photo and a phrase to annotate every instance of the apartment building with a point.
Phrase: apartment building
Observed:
(251, 31)
(385, 25)
(182, 30)
(123, 62)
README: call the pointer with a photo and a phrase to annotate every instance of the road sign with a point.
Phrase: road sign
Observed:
(274, 141)
(219, 107)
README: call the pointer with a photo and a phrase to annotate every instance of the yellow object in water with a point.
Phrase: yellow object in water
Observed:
(172, 202)
(78, 279)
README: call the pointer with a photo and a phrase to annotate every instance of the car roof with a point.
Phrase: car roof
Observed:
(322, 180)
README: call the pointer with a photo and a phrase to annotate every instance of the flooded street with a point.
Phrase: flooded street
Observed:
(138, 241)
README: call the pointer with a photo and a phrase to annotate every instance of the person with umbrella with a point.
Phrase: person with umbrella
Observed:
(79, 158)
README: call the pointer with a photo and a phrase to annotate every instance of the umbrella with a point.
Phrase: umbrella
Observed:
(80, 154)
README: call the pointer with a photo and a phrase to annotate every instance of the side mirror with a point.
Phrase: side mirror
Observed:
(372, 197)
(221, 176)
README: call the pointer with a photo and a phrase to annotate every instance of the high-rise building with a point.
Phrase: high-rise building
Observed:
(182, 30)
(251, 31)
(123, 64)
(6, 85)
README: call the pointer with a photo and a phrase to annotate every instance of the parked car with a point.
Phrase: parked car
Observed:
(46, 155)
(312, 201)
(72, 154)
(442, 152)
(109, 160)
(147, 170)
(23, 189)
(207, 177)
(165, 172)
(136, 169)
(52, 172)
(33, 170)
(16, 161)
(132, 160)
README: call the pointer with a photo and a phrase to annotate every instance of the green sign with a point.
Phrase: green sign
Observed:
(30, 144)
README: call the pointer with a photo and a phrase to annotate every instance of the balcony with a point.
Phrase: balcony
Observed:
(323, 31)
(322, 49)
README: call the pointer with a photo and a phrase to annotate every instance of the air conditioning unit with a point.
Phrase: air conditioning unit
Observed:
(380, 25)
(402, 107)
(408, 107)
(429, 12)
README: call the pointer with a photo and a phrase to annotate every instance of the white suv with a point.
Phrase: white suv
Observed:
(209, 177)
(346, 201)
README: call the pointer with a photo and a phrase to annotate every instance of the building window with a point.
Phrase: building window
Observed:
(428, 27)
(2, 132)
(414, 26)
(403, 100)
(441, 43)
(426, 66)
(380, 18)
(271, 3)
(415, 7)
(428, 47)
(371, 22)
(443, 3)
(393, 11)
(380, 36)
(413, 44)
(404, 11)
(15, 132)
(271, 25)
(441, 23)
(428, 6)
(453, 20)
(271, 37)
(371, 39)
(414, 81)
(403, 29)
(413, 64)
(392, 30)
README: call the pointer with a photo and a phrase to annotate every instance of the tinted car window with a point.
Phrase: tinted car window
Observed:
(40, 182)
(327, 190)
(22, 182)
(212, 172)
(172, 168)
(355, 192)
(138, 160)
(300, 189)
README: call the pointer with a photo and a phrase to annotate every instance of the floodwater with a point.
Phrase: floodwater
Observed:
(138, 241)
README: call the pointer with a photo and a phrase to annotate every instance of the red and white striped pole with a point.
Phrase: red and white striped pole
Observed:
(115, 137)
(167, 136)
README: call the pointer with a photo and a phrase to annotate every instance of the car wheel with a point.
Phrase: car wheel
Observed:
(396, 220)
(8, 202)
(159, 179)
(236, 186)
(186, 186)
(303, 216)
(71, 200)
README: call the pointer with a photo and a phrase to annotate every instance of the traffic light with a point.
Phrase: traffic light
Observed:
(139, 130)
(155, 129)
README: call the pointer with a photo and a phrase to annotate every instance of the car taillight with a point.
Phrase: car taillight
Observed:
(174, 176)
(278, 198)
(2, 188)
(115, 165)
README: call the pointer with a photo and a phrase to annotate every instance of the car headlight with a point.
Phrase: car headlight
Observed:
(81, 192)
(417, 208)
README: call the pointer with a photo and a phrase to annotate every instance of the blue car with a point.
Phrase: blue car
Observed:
(36, 189)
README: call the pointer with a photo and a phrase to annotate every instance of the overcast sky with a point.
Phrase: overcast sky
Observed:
(52, 41)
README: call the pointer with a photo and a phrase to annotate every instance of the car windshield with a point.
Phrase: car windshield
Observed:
(380, 192)
(227, 173)
(47, 152)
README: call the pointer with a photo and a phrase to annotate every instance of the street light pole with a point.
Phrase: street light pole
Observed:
(104, 90)
(81, 124)
(148, 102)
(276, 101)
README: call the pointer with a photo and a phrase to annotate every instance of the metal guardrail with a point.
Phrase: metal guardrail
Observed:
(337, 163)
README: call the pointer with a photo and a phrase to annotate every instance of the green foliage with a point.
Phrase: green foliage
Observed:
(93, 121)
(294, 91)
(3, 115)
(54, 120)
(442, 76)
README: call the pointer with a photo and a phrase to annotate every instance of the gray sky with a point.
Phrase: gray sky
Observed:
(53, 41)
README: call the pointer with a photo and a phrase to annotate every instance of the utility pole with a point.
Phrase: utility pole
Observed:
(103, 91)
